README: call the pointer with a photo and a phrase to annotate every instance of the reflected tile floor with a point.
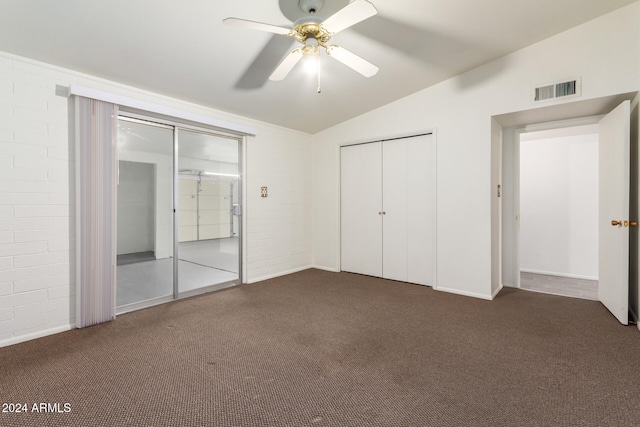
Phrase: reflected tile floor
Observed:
(203, 263)
(557, 285)
(152, 279)
(217, 253)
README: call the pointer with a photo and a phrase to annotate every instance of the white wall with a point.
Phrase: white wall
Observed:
(36, 205)
(604, 52)
(279, 223)
(163, 165)
(559, 203)
(496, 207)
(136, 207)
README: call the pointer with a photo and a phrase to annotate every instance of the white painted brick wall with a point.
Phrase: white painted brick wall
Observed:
(22, 223)
(34, 203)
(6, 289)
(51, 258)
(37, 243)
(6, 314)
(6, 161)
(6, 237)
(280, 224)
(6, 211)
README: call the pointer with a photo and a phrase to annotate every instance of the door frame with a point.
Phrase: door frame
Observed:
(557, 112)
(515, 213)
(433, 131)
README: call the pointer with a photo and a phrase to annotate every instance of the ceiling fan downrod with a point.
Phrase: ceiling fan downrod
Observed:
(310, 6)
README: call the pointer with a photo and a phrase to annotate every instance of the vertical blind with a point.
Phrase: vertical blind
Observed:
(96, 172)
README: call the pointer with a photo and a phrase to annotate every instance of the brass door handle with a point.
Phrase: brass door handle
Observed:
(626, 223)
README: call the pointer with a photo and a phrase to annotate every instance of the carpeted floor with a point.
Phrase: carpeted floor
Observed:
(335, 349)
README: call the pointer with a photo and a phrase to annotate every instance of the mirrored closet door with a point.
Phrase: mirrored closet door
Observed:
(208, 196)
(178, 224)
(145, 243)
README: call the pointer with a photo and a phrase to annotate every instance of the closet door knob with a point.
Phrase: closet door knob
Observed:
(618, 223)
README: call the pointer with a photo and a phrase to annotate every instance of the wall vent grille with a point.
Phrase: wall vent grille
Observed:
(568, 88)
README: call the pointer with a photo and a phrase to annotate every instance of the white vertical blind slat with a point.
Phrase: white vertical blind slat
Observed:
(96, 174)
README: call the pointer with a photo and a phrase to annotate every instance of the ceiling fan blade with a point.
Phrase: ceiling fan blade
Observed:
(352, 60)
(252, 25)
(286, 65)
(257, 73)
(351, 14)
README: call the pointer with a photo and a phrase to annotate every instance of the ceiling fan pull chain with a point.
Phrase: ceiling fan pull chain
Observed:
(318, 68)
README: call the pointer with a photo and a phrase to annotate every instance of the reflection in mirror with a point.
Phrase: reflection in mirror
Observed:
(145, 214)
(208, 227)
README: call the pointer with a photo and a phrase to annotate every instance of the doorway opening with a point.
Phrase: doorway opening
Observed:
(617, 117)
(558, 214)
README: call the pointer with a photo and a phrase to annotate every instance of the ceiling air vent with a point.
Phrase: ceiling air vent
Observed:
(568, 88)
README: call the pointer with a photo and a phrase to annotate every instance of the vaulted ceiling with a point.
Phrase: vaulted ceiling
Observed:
(182, 49)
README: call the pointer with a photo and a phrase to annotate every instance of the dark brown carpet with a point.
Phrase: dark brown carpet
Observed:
(335, 349)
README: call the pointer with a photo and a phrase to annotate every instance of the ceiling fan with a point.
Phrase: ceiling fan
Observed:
(313, 32)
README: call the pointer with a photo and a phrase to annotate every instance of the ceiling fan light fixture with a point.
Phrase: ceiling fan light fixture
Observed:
(311, 64)
(311, 47)
(313, 32)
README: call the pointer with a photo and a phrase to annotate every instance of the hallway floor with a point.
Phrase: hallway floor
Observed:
(557, 285)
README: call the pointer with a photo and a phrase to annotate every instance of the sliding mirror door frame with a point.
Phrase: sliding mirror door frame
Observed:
(178, 128)
(209, 255)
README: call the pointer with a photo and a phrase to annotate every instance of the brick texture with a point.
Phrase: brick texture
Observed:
(37, 239)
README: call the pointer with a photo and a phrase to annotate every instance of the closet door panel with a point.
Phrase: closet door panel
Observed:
(360, 204)
(421, 210)
(395, 201)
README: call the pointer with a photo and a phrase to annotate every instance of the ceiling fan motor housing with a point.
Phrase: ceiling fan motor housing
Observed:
(310, 6)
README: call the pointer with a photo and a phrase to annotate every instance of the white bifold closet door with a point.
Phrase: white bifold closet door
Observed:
(361, 197)
(388, 209)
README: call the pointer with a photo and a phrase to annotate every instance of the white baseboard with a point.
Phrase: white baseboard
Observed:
(493, 295)
(464, 293)
(509, 285)
(283, 273)
(322, 267)
(555, 273)
(34, 335)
